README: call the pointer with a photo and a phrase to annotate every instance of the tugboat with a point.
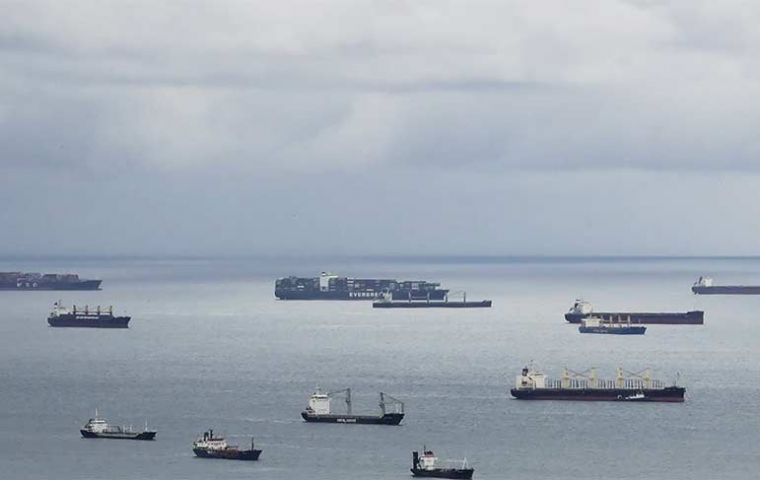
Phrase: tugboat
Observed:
(209, 446)
(319, 410)
(586, 386)
(99, 428)
(597, 325)
(425, 466)
(90, 318)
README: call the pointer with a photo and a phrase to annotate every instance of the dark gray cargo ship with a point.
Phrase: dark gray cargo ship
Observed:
(586, 386)
(46, 281)
(704, 286)
(332, 287)
(319, 410)
(387, 301)
(86, 317)
(582, 310)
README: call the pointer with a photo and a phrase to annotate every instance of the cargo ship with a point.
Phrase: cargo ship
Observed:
(332, 287)
(704, 286)
(46, 281)
(426, 465)
(99, 428)
(585, 386)
(318, 410)
(209, 446)
(86, 317)
(387, 301)
(597, 325)
(582, 309)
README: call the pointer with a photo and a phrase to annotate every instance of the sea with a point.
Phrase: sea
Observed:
(209, 346)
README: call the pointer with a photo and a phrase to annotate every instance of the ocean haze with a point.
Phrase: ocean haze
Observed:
(210, 347)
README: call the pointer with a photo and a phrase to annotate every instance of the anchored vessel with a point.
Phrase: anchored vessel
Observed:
(46, 281)
(426, 465)
(704, 286)
(387, 301)
(319, 410)
(581, 310)
(87, 317)
(640, 387)
(99, 428)
(597, 325)
(332, 287)
(209, 446)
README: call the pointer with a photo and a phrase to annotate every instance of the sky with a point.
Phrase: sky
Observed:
(379, 127)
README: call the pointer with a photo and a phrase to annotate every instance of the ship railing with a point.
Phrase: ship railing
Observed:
(578, 384)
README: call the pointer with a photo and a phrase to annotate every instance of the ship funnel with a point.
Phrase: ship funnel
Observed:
(415, 459)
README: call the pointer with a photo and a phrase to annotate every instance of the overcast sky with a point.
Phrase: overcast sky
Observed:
(380, 127)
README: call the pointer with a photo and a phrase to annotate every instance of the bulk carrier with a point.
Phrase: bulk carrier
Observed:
(332, 287)
(581, 310)
(586, 386)
(86, 317)
(704, 286)
(46, 281)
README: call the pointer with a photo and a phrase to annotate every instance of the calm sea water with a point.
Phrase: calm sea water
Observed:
(209, 346)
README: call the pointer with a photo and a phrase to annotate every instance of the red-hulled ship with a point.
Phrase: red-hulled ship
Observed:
(586, 386)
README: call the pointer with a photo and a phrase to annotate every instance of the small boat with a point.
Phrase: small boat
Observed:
(598, 325)
(209, 446)
(426, 465)
(319, 410)
(99, 428)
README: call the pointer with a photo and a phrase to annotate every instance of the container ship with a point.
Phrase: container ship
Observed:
(46, 281)
(209, 446)
(86, 317)
(319, 410)
(99, 428)
(704, 286)
(332, 287)
(585, 386)
(387, 301)
(581, 310)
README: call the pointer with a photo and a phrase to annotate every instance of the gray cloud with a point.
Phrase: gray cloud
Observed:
(165, 113)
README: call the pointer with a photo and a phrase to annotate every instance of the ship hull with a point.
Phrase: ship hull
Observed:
(726, 290)
(614, 330)
(687, 318)
(89, 321)
(346, 295)
(668, 394)
(465, 473)
(31, 286)
(387, 419)
(228, 454)
(120, 436)
(450, 304)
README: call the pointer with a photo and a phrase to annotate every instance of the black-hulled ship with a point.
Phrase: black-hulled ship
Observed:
(597, 325)
(585, 386)
(319, 410)
(209, 446)
(704, 286)
(46, 281)
(86, 317)
(388, 301)
(99, 428)
(332, 287)
(581, 310)
(426, 465)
